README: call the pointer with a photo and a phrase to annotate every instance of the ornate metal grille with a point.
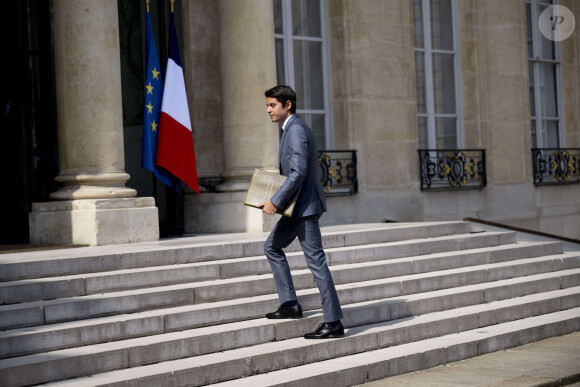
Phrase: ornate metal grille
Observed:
(338, 172)
(452, 169)
(555, 166)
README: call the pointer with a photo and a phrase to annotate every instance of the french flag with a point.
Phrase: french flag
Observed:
(175, 142)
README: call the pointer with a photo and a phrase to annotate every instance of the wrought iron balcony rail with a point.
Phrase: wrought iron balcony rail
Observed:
(452, 169)
(556, 166)
(338, 172)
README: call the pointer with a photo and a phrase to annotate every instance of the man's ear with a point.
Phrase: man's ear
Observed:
(288, 105)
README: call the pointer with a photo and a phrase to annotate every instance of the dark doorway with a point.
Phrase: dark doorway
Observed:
(28, 152)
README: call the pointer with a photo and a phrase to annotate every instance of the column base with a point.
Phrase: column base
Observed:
(93, 186)
(224, 212)
(94, 222)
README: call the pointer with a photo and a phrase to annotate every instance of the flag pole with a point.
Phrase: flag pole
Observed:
(147, 1)
(179, 210)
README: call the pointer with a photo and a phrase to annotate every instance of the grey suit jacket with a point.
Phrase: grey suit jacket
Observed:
(298, 158)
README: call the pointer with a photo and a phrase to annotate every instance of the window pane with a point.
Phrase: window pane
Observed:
(551, 135)
(529, 30)
(445, 133)
(280, 60)
(308, 74)
(547, 47)
(306, 18)
(547, 89)
(534, 137)
(316, 123)
(444, 84)
(278, 29)
(420, 74)
(418, 23)
(441, 24)
(422, 132)
(532, 92)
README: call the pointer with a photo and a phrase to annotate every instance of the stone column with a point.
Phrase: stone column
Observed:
(248, 64)
(250, 139)
(92, 206)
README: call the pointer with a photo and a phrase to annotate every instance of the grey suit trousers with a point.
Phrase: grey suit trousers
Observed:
(307, 229)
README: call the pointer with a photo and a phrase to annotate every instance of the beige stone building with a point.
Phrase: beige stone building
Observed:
(474, 84)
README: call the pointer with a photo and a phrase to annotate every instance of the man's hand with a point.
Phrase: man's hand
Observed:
(268, 208)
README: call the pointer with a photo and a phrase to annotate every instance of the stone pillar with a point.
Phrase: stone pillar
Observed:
(92, 206)
(250, 139)
(248, 64)
(201, 66)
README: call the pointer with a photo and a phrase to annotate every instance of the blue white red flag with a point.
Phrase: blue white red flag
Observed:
(175, 150)
(152, 111)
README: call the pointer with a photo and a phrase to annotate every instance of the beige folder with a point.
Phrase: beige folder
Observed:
(263, 186)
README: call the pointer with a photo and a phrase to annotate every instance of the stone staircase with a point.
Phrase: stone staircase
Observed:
(189, 311)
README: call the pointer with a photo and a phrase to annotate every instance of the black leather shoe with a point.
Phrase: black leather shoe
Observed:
(326, 330)
(286, 311)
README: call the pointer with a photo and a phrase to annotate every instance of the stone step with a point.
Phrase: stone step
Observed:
(383, 363)
(53, 263)
(76, 308)
(67, 335)
(383, 349)
(192, 313)
(113, 281)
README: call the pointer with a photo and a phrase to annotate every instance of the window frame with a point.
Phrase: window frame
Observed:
(288, 39)
(536, 61)
(428, 53)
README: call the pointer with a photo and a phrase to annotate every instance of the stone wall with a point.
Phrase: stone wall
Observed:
(374, 111)
(229, 47)
(201, 57)
(374, 107)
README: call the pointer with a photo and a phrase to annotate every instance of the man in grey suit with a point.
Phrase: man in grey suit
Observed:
(298, 159)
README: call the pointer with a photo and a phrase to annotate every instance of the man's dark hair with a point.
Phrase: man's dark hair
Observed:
(283, 94)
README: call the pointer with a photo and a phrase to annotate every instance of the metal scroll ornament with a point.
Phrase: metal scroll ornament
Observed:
(556, 166)
(562, 165)
(456, 169)
(329, 172)
(338, 172)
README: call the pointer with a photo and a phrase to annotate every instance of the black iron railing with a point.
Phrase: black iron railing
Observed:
(556, 166)
(456, 169)
(338, 169)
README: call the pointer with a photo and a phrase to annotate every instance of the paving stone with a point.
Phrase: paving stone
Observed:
(547, 362)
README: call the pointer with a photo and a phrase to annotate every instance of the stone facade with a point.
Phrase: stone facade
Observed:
(374, 111)
(229, 60)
